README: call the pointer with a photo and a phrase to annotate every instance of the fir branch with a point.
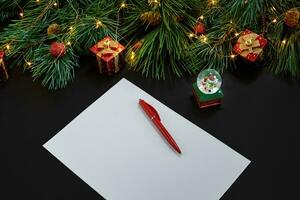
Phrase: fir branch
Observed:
(164, 46)
(54, 73)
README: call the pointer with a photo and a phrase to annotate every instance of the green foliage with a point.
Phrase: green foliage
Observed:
(164, 45)
(10, 9)
(54, 73)
(228, 18)
(29, 42)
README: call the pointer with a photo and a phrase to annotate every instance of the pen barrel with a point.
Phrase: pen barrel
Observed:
(166, 135)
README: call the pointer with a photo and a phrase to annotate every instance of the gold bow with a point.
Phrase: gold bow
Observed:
(107, 48)
(249, 44)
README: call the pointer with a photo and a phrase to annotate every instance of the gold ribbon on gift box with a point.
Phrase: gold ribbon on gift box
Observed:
(107, 48)
(2, 66)
(249, 44)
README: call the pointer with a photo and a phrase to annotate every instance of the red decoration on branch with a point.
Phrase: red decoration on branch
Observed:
(57, 49)
(199, 28)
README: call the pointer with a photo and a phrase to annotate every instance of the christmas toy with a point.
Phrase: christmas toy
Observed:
(108, 53)
(291, 17)
(250, 45)
(207, 88)
(57, 49)
(53, 29)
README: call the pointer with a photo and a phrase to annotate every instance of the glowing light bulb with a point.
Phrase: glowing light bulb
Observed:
(71, 28)
(98, 24)
(274, 20)
(21, 14)
(55, 4)
(232, 56)
(132, 56)
(69, 43)
(203, 38)
(191, 35)
(123, 5)
(283, 41)
(236, 34)
(29, 63)
(201, 17)
(7, 46)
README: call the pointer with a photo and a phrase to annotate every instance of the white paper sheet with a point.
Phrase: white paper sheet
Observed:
(116, 150)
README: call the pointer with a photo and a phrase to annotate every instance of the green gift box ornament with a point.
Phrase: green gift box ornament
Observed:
(207, 89)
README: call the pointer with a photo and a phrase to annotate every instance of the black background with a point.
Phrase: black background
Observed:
(259, 118)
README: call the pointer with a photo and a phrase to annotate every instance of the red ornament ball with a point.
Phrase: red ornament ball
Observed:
(57, 49)
(137, 45)
(199, 28)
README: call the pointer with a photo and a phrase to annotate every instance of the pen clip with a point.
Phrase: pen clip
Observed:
(153, 110)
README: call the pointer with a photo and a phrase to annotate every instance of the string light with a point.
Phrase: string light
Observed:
(191, 35)
(123, 5)
(132, 55)
(203, 38)
(38, 1)
(274, 20)
(236, 34)
(29, 64)
(98, 24)
(7, 46)
(71, 28)
(21, 14)
(213, 2)
(69, 43)
(232, 56)
(55, 4)
(283, 41)
(201, 17)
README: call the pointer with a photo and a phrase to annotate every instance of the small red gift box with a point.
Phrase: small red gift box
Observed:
(250, 45)
(3, 72)
(108, 53)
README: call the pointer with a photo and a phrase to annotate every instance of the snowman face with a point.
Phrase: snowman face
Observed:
(209, 83)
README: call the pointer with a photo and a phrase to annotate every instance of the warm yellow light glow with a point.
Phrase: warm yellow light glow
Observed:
(29, 63)
(123, 5)
(236, 34)
(38, 1)
(98, 24)
(203, 38)
(21, 14)
(191, 35)
(69, 43)
(232, 56)
(201, 17)
(71, 28)
(283, 41)
(55, 4)
(132, 56)
(274, 20)
(213, 2)
(7, 46)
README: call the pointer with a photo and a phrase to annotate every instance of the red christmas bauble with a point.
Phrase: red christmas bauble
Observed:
(137, 45)
(57, 49)
(199, 28)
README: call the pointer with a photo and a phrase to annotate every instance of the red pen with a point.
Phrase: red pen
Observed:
(154, 116)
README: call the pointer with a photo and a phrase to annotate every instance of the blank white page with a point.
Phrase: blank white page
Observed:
(116, 150)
